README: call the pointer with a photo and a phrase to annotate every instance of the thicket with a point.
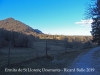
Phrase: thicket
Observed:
(16, 39)
(75, 42)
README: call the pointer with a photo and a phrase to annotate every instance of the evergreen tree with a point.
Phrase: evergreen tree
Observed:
(95, 15)
(96, 30)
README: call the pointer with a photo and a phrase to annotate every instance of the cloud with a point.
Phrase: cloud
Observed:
(85, 23)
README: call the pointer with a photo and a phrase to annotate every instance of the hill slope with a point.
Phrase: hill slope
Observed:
(15, 25)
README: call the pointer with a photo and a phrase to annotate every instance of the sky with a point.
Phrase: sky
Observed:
(60, 17)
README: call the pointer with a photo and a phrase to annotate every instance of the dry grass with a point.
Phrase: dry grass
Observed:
(26, 58)
(16, 55)
(22, 54)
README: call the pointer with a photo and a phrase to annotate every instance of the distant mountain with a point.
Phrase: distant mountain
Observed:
(14, 25)
(38, 31)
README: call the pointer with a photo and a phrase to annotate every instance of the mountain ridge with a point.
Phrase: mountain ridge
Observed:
(11, 24)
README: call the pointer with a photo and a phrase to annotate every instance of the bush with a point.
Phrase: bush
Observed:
(17, 39)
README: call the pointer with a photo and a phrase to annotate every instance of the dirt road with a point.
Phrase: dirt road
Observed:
(84, 64)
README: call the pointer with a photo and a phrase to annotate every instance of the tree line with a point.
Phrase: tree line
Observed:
(17, 39)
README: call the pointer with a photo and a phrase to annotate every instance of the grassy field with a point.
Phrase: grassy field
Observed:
(22, 54)
(35, 57)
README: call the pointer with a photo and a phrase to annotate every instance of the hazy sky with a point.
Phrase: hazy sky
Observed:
(49, 16)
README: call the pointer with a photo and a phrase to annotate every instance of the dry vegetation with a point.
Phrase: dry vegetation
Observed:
(26, 58)
(35, 57)
(31, 50)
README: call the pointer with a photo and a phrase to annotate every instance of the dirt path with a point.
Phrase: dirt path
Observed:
(84, 65)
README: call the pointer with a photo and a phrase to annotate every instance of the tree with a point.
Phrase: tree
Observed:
(94, 13)
(96, 31)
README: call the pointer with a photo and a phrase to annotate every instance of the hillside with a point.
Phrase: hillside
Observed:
(14, 25)
(16, 33)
